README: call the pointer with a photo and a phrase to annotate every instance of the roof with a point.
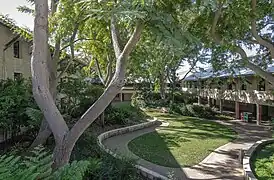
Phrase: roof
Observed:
(210, 73)
(25, 33)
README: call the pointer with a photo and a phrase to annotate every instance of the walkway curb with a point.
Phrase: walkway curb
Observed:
(248, 174)
(141, 170)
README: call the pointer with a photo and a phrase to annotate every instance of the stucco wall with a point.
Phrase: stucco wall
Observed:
(12, 65)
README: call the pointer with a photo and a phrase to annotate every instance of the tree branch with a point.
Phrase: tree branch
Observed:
(133, 39)
(110, 92)
(99, 71)
(255, 33)
(191, 68)
(80, 39)
(115, 37)
(109, 70)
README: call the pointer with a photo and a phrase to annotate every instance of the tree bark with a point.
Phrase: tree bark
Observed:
(40, 74)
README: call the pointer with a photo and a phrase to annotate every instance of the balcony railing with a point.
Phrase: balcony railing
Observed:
(253, 97)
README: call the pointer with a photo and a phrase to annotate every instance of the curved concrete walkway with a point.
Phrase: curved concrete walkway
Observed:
(222, 163)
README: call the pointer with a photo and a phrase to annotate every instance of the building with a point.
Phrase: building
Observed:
(241, 92)
(15, 53)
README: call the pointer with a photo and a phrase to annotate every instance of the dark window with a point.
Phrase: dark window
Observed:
(18, 76)
(261, 85)
(190, 84)
(229, 87)
(16, 49)
(202, 84)
(244, 87)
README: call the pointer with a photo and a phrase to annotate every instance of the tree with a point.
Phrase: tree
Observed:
(227, 26)
(139, 14)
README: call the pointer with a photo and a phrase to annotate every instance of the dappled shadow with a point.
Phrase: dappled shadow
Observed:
(155, 150)
(157, 157)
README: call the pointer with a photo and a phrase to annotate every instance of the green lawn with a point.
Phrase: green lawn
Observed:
(185, 142)
(263, 163)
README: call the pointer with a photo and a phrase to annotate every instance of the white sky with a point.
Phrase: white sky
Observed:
(8, 7)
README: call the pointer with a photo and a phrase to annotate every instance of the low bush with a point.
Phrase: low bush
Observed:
(124, 113)
(77, 96)
(15, 98)
(110, 168)
(201, 111)
(175, 108)
(185, 111)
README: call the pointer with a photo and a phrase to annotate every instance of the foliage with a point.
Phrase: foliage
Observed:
(201, 111)
(123, 113)
(262, 162)
(38, 166)
(35, 116)
(15, 98)
(77, 95)
(111, 168)
(175, 108)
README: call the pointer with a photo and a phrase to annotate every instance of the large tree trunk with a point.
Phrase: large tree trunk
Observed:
(43, 134)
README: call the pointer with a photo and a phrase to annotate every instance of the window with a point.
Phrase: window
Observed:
(16, 49)
(229, 87)
(261, 85)
(244, 87)
(17, 76)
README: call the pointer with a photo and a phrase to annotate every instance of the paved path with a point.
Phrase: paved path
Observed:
(221, 164)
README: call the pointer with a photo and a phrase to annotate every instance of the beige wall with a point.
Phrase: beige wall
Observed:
(8, 64)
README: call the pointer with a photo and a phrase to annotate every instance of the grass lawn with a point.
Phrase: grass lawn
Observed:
(263, 163)
(185, 142)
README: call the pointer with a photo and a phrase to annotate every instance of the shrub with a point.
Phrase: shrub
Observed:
(77, 96)
(185, 111)
(123, 113)
(175, 108)
(111, 168)
(15, 97)
(201, 111)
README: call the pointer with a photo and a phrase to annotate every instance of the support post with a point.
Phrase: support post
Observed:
(209, 101)
(199, 100)
(237, 110)
(121, 97)
(259, 114)
(221, 106)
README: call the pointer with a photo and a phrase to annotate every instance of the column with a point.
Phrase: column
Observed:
(259, 114)
(199, 100)
(237, 110)
(221, 106)
(209, 101)
(121, 97)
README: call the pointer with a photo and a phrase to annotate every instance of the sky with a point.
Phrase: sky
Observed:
(8, 7)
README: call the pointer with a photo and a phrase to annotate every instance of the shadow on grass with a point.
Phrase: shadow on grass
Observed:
(185, 142)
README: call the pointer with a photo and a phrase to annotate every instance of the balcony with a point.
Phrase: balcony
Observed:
(252, 97)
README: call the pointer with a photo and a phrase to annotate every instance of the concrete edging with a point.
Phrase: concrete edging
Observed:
(141, 170)
(248, 174)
